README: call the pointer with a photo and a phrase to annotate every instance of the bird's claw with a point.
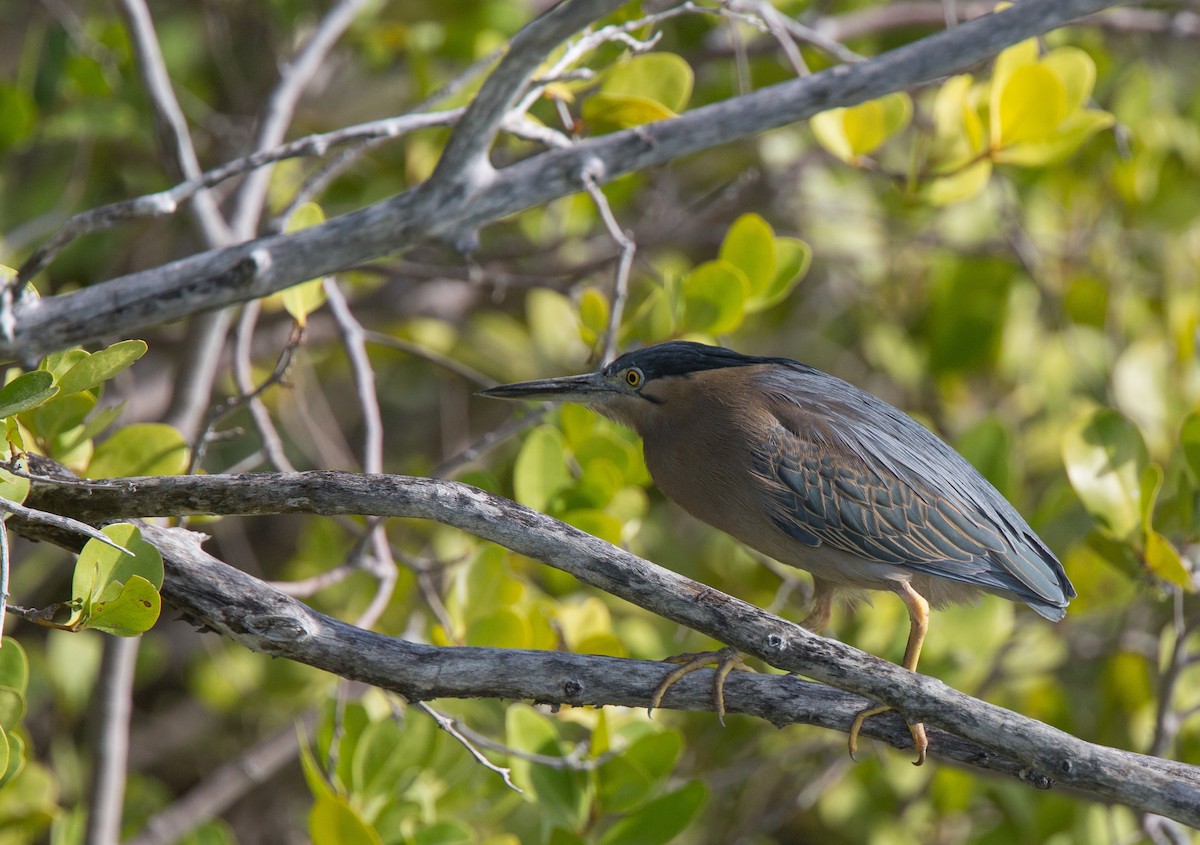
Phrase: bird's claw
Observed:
(725, 660)
(917, 729)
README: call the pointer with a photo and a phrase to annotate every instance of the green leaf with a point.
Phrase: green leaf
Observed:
(15, 748)
(714, 296)
(661, 820)
(560, 793)
(958, 136)
(540, 471)
(141, 449)
(14, 666)
(12, 707)
(26, 391)
(1189, 436)
(1105, 456)
(445, 833)
(1164, 561)
(1032, 105)
(332, 821)
(502, 628)
(101, 366)
(14, 488)
(793, 258)
(749, 245)
(60, 415)
(100, 566)
(133, 612)
(612, 112)
(664, 78)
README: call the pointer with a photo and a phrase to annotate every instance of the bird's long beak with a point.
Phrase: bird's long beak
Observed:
(566, 389)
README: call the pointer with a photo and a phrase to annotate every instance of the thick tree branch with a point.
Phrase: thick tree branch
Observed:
(1160, 786)
(257, 268)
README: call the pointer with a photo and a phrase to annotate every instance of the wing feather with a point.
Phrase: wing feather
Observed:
(843, 468)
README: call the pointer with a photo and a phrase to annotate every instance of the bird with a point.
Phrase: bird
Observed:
(818, 474)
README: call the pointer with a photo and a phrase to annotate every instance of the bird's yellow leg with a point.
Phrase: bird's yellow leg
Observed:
(725, 660)
(822, 607)
(918, 615)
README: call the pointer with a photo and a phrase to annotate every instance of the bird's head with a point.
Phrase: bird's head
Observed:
(637, 388)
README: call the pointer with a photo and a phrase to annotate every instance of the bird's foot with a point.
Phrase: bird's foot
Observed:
(725, 660)
(917, 729)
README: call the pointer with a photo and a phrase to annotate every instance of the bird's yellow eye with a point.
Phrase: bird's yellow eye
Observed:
(633, 377)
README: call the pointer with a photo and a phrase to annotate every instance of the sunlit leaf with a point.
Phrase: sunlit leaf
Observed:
(141, 449)
(1032, 103)
(1105, 455)
(16, 758)
(664, 78)
(132, 612)
(14, 665)
(1164, 561)
(101, 366)
(100, 565)
(1077, 72)
(610, 112)
(552, 326)
(868, 125)
(26, 391)
(502, 628)
(1069, 137)
(966, 183)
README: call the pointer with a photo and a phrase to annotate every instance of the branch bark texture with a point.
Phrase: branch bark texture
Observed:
(1160, 786)
(452, 209)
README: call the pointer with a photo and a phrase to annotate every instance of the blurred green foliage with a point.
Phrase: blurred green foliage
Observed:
(1012, 256)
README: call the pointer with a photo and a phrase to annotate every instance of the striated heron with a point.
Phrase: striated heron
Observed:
(820, 475)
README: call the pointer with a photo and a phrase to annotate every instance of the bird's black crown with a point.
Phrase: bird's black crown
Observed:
(680, 357)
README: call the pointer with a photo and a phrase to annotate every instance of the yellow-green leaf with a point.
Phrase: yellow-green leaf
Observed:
(141, 449)
(957, 129)
(793, 258)
(14, 488)
(963, 185)
(100, 566)
(611, 112)
(540, 471)
(552, 327)
(829, 129)
(133, 612)
(502, 628)
(749, 245)
(1164, 561)
(593, 315)
(303, 299)
(1077, 72)
(1070, 136)
(869, 124)
(1032, 104)
(664, 78)
(332, 821)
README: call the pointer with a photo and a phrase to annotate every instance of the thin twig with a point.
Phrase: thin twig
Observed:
(57, 521)
(451, 727)
(281, 105)
(628, 247)
(220, 410)
(268, 434)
